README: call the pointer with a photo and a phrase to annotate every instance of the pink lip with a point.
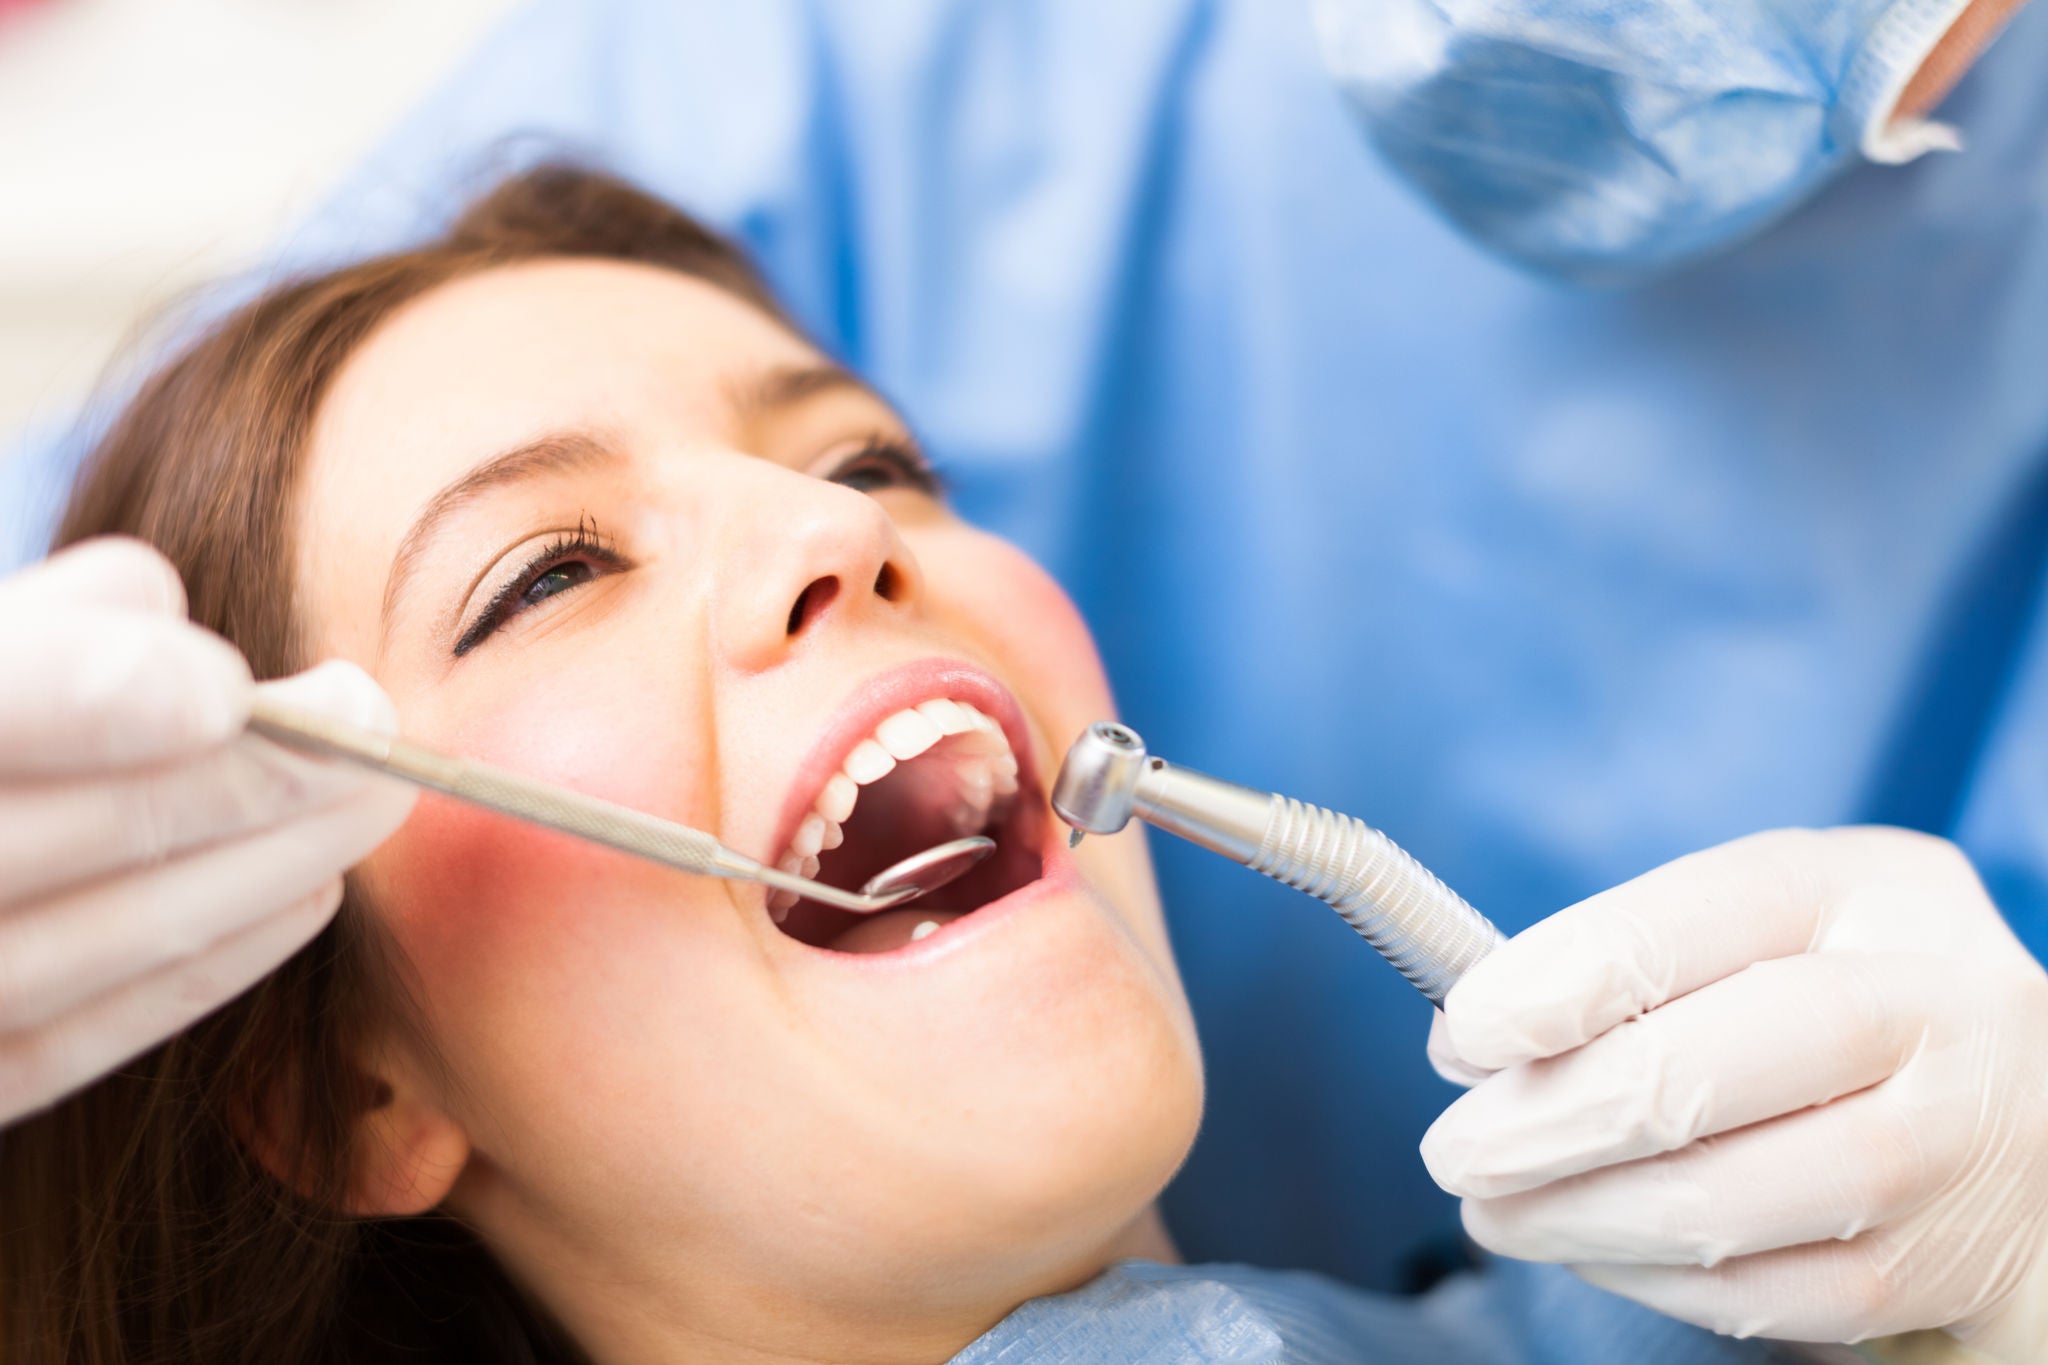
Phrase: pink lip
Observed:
(883, 696)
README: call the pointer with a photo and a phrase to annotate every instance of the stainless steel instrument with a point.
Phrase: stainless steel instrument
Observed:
(1420, 925)
(600, 821)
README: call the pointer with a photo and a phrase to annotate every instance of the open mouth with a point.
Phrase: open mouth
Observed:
(940, 770)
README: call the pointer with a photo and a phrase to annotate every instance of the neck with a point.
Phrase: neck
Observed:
(619, 1319)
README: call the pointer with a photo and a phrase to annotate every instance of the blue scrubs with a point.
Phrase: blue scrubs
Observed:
(1553, 585)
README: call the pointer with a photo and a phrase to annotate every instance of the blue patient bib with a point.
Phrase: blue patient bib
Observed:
(1142, 1313)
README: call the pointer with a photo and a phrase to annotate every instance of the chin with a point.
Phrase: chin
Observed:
(1056, 1096)
(1020, 1041)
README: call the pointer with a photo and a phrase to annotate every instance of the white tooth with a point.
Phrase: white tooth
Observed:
(779, 901)
(983, 777)
(980, 720)
(907, 734)
(810, 835)
(976, 781)
(869, 762)
(924, 930)
(949, 715)
(835, 803)
(809, 867)
(834, 836)
(970, 817)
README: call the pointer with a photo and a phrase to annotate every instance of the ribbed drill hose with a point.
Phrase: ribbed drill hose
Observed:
(1416, 922)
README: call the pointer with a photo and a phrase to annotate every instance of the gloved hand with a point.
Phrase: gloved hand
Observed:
(1794, 1086)
(154, 860)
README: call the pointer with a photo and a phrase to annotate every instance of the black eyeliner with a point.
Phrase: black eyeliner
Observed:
(586, 541)
(487, 620)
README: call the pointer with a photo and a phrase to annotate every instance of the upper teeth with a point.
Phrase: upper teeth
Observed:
(985, 772)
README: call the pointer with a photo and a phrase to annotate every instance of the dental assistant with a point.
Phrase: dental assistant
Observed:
(1556, 584)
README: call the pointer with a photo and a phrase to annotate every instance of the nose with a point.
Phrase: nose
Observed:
(803, 553)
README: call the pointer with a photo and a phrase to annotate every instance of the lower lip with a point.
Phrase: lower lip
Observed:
(1057, 878)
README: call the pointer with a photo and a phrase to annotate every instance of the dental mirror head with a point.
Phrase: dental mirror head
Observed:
(1099, 779)
(923, 873)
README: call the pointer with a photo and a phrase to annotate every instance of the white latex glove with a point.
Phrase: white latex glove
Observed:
(1795, 1086)
(154, 860)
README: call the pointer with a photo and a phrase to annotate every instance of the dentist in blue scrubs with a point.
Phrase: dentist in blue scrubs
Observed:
(1571, 435)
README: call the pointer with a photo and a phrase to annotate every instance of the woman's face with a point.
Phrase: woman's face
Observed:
(610, 526)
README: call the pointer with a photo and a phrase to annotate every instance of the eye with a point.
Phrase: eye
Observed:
(886, 463)
(559, 579)
(566, 563)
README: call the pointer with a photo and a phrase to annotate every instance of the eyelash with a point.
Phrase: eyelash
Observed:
(902, 461)
(585, 545)
(903, 465)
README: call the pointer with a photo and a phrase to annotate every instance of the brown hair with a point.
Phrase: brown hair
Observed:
(134, 1225)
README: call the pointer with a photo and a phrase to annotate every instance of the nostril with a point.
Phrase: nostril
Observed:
(815, 597)
(889, 584)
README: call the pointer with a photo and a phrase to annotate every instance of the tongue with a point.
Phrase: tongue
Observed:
(889, 930)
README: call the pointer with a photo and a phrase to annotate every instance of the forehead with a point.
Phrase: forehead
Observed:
(493, 361)
(496, 358)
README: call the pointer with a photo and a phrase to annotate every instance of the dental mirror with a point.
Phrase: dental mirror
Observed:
(597, 820)
(923, 873)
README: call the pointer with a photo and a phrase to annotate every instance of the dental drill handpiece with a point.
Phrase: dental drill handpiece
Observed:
(1395, 903)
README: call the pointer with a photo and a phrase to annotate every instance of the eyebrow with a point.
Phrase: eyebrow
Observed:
(556, 453)
(775, 390)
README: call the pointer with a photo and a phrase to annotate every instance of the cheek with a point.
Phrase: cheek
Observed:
(1041, 646)
(475, 897)
(1044, 646)
(462, 890)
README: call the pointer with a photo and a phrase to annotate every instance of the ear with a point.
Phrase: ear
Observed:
(409, 1151)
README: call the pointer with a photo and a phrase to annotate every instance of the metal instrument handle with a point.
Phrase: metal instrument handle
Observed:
(571, 812)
